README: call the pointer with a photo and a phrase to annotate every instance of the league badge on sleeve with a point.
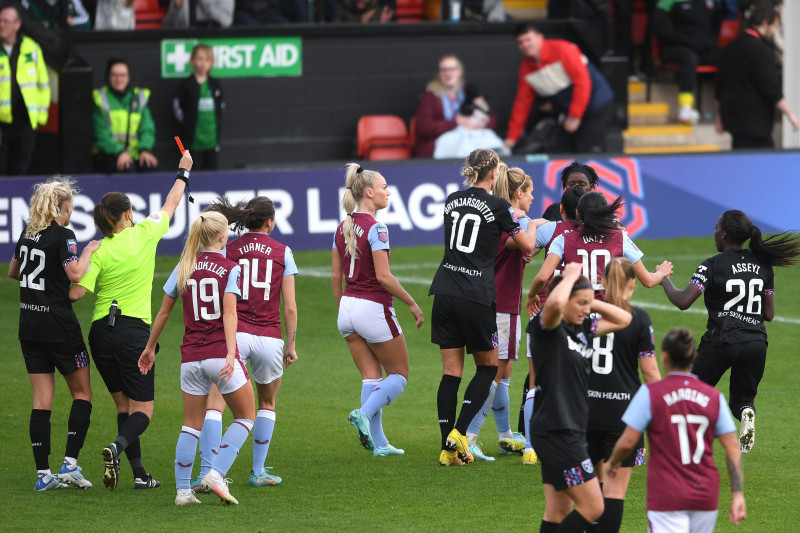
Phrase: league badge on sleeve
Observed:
(383, 234)
(72, 246)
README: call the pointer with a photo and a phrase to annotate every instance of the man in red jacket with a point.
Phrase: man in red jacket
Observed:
(556, 70)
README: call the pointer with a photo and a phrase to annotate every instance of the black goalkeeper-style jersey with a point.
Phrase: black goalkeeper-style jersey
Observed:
(615, 371)
(473, 223)
(45, 312)
(561, 360)
(734, 284)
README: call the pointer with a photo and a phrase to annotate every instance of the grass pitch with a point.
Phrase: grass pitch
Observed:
(330, 482)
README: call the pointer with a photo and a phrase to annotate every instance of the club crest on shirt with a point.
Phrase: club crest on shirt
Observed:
(72, 246)
(383, 234)
(588, 466)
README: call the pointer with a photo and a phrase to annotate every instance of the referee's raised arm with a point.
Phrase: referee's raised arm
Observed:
(181, 184)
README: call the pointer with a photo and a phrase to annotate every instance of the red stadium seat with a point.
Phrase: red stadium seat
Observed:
(149, 14)
(381, 137)
(412, 131)
(410, 10)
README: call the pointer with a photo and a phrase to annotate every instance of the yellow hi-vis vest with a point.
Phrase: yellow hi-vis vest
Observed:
(33, 81)
(123, 121)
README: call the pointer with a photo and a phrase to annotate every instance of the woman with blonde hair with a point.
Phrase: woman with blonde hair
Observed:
(463, 313)
(45, 263)
(208, 283)
(438, 110)
(367, 319)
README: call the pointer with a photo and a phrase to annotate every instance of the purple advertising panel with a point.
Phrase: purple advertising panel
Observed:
(665, 197)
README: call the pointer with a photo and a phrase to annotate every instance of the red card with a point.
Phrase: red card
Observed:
(180, 144)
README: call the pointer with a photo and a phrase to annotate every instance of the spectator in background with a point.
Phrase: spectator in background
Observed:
(438, 110)
(115, 15)
(77, 15)
(198, 106)
(688, 30)
(748, 86)
(24, 94)
(208, 14)
(258, 12)
(364, 11)
(124, 131)
(590, 19)
(556, 70)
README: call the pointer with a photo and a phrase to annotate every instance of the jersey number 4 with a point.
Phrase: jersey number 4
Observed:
(250, 277)
(29, 280)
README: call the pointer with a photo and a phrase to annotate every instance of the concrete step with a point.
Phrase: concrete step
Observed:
(636, 92)
(526, 9)
(648, 113)
(676, 149)
(671, 135)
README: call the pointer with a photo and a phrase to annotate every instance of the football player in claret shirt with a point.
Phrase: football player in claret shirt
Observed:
(682, 415)
(268, 271)
(367, 320)
(562, 334)
(45, 262)
(738, 287)
(208, 284)
(614, 379)
(463, 313)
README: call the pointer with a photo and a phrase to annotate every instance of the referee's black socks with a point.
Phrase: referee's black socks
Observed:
(475, 395)
(130, 428)
(40, 437)
(446, 400)
(521, 421)
(77, 426)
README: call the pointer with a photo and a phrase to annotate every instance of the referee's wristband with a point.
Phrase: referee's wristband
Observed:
(183, 175)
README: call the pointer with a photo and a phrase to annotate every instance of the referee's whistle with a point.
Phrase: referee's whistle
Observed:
(112, 313)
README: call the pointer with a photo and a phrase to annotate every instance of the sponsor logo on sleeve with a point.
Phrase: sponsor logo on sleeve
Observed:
(155, 217)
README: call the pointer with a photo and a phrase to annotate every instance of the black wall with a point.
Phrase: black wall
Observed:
(348, 71)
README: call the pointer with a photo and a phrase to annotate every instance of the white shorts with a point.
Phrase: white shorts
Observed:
(509, 333)
(681, 521)
(265, 355)
(528, 353)
(198, 376)
(371, 320)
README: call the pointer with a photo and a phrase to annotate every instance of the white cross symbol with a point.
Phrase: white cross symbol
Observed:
(179, 57)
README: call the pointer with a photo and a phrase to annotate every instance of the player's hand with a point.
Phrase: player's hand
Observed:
(572, 271)
(417, 312)
(664, 269)
(226, 372)
(92, 246)
(146, 360)
(147, 159)
(532, 304)
(519, 213)
(186, 160)
(738, 511)
(611, 471)
(572, 124)
(124, 161)
(289, 357)
(527, 258)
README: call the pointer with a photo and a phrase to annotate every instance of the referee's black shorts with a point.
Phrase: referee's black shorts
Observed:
(601, 443)
(564, 458)
(456, 322)
(116, 350)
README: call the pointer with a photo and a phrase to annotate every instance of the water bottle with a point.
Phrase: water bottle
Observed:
(455, 10)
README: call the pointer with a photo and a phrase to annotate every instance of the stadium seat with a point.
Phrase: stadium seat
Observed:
(381, 137)
(410, 10)
(149, 14)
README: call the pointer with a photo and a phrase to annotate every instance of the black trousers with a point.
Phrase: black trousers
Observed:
(687, 60)
(590, 137)
(741, 142)
(16, 149)
(746, 361)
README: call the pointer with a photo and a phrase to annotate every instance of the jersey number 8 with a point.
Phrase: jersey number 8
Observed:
(250, 277)
(30, 280)
(209, 293)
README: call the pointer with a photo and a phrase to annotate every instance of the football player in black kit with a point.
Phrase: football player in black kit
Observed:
(463, 313)
(45, 262)
(738, 288)
(562, 333)
(614, 380)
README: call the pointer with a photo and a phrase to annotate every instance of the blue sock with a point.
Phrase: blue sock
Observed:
(210, 437)
(383, 394)
(500, 408)
(262, 435)
(528, 416)
(232, 441)
(376, 422)
(477, 422)
(185, 452)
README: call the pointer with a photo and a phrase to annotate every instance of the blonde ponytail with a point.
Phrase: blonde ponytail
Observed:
(356, 180)
(479, 165)
(46, 203)
(204, 231)
(510, 181)
(619, 272)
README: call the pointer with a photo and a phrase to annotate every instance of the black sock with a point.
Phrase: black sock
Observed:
(446, 401)
(475, 395)
(574, 522)
(521, 421)
(134, 426)
(40, 438)
(78, 426)
(611, 520)
(548, 527)
(133, 450)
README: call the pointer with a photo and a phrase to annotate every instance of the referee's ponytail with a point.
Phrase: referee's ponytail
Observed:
(776, 250)
(356, 180)
(109, 211)
(204, 231)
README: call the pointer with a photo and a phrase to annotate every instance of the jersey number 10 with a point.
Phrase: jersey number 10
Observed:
(459, 226)
(593, 268)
